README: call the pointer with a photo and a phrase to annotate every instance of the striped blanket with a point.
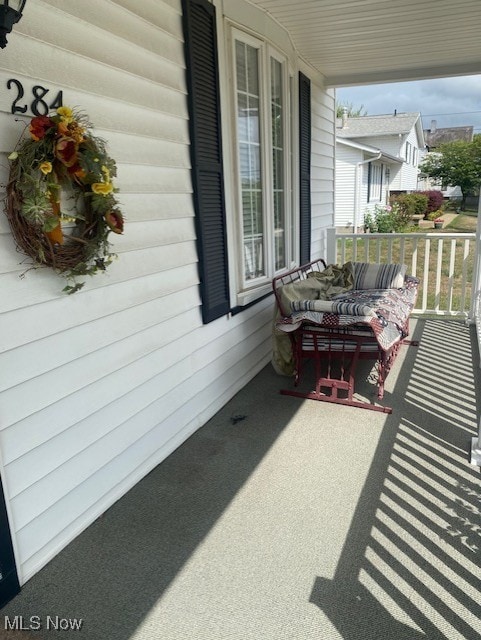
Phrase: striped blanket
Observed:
(385, 311)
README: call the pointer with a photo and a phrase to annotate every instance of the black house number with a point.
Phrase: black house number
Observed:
(39, 106)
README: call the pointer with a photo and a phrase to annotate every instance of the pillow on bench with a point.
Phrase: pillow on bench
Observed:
(368, 275)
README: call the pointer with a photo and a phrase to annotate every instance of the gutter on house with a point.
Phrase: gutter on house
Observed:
(357, 190)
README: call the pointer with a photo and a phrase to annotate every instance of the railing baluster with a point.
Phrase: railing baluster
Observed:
(452, 258)
(341, 253)
(465, 275)
(414, 259)
(439, 264)
(402, 251)
(426, 274)
(389, 249)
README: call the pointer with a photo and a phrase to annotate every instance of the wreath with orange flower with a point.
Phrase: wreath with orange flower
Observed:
(61, 166)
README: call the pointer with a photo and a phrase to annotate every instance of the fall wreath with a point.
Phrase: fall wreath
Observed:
(61, 202)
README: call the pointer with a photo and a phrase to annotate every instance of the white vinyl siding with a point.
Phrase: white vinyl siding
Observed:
(346, 160)
(91, 383)
(322, 165)
(350, 159)
(408, 174)
(97, 388)
(403, 177)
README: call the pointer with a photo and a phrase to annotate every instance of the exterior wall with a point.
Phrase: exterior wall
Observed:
(388, 144)
(94, 384)
(405, 177)
(99, 387)
(364, 204)
(322, 164)
(346, 159)
(409, 170)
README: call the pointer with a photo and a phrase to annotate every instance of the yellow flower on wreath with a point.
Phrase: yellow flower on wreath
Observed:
(46, 167)
(66, 114)
(102, 188)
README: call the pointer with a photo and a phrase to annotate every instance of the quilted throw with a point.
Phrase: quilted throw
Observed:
(385, 311)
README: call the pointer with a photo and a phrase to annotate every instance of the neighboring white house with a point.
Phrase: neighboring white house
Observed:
(221, 117)
(375, 156)
(362, 181)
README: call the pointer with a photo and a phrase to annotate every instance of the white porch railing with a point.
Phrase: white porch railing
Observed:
(443, 262)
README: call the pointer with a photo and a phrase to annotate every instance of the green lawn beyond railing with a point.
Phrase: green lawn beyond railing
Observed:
(443, 262)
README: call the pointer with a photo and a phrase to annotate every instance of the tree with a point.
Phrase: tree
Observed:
(351, 112)
(456, 163)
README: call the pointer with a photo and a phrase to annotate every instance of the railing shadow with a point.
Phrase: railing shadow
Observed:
(411, 564)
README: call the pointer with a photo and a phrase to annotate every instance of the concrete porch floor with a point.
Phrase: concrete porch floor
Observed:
(291, 519)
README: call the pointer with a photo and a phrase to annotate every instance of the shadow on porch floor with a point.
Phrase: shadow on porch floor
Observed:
(290, 519)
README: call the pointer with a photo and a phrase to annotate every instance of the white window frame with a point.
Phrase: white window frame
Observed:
(247, 291)
(375, 182)
(408, 152)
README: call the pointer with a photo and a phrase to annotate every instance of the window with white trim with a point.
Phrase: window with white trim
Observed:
(374, 187)
(262, 145)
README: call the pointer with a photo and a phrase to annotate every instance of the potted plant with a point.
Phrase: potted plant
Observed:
(438, 223)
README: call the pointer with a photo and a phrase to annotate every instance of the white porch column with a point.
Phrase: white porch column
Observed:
(475, 314)
(331, 246)
(476, 449)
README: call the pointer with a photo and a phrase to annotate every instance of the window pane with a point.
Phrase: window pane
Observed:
(248, 127)
(278, 151)
(375, 182)
(240, 66)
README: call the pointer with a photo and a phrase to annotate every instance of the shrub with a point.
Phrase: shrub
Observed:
(435, 214)
(412, 204)
(435, 200)
(386, 219)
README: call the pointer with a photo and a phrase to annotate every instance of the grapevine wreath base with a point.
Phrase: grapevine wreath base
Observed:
(63, 166)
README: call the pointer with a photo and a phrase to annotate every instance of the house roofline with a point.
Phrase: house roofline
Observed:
(364, 147)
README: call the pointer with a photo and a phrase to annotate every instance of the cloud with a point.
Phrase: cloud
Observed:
(452, 102)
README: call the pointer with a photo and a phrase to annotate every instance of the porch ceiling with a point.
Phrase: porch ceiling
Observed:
(369, 41)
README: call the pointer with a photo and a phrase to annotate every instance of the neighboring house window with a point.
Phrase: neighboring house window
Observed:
(263, 158)
(374, 185)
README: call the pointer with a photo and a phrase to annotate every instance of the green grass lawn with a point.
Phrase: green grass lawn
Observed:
(464, 222)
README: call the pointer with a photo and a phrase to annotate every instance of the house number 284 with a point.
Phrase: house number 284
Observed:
(40, 105)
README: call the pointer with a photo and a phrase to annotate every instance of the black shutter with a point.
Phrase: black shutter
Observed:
(9, 586)
(305, 167)
(206, 155)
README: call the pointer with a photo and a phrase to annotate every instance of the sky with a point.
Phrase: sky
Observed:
(452, 102)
